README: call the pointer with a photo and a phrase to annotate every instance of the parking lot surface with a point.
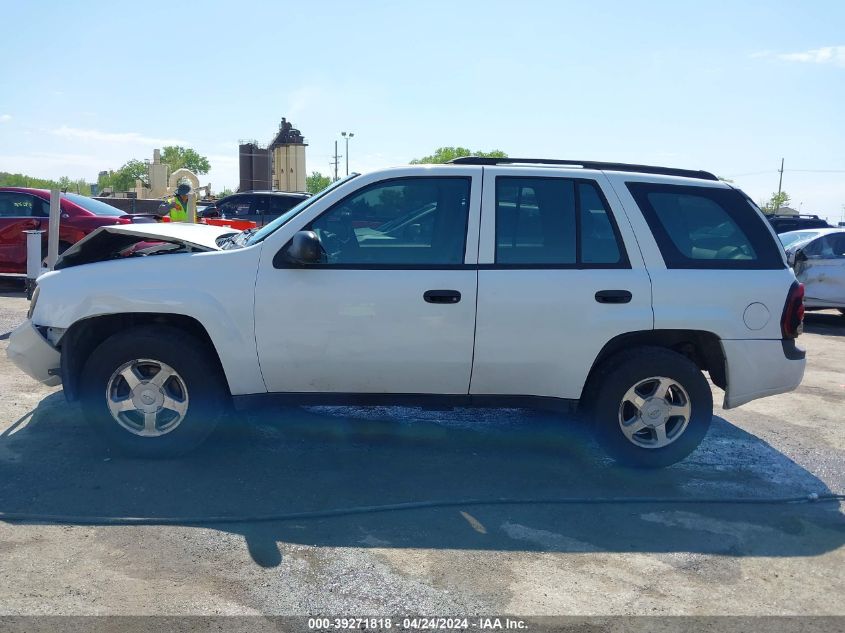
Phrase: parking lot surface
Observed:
(532, 558)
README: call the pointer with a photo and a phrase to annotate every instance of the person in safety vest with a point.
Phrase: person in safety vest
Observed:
(176, 207)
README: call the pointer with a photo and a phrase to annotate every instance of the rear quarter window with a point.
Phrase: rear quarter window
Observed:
(706, 227)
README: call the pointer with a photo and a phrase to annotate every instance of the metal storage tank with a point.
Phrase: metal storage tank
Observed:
(261, 177)
(288, 148)
(245, 166)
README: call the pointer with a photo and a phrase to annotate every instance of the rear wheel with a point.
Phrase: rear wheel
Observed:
(153, 391)
(652, 407)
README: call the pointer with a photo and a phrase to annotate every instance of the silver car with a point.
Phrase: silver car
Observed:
(818, 258)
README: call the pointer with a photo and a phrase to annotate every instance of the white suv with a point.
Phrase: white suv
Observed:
(488, 282)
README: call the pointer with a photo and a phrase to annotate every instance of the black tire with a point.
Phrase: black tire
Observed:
(196, 368)
(618, 374)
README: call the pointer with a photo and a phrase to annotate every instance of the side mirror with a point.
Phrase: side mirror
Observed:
(305, 248)
(211, 212)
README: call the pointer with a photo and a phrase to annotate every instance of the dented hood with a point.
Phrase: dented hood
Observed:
(127, 240)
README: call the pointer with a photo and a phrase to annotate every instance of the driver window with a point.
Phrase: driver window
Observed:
(822, 248)
(406, 221)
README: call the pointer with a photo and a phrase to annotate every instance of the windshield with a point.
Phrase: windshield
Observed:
(793, 237)
(94, 206)
(292, 213)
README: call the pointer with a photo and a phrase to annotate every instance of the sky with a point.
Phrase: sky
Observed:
(730, 87)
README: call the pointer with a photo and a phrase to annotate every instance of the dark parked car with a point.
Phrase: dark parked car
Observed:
(784, 223)
(260, 207)
(23, 209)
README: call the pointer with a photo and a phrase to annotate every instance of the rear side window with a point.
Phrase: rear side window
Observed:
(554, 222)
(706, 227)
(280, 204)
(236, 206)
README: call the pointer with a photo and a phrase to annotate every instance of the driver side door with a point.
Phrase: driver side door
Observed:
(392, 307)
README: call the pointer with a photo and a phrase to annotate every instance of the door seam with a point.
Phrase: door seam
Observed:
(477, 281)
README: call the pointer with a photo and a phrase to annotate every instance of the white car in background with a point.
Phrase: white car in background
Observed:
(818, 258)
(516, 282)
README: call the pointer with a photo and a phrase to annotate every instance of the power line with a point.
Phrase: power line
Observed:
(776, 171)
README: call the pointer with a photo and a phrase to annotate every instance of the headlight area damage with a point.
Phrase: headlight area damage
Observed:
(120, 242)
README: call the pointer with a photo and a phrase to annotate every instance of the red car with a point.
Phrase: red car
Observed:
(23, 209)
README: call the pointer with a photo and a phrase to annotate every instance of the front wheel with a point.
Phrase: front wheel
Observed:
(153, 391)
(652, 407)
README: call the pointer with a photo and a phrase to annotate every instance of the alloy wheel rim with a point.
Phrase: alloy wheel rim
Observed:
(147, 397)
(654, 412)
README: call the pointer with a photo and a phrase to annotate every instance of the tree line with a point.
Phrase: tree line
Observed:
(122, 179)
(177, 157)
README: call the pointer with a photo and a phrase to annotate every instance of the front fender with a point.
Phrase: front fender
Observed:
(216, 289)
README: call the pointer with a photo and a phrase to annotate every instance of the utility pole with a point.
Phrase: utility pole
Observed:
(336, 161)
(347, 136)
(780, 183)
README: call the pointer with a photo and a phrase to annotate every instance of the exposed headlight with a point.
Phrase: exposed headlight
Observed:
(33, 302)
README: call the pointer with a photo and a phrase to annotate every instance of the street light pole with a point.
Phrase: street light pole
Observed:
(347, 136)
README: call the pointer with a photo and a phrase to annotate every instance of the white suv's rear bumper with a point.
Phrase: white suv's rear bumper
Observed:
(760, 368)
(34, 355)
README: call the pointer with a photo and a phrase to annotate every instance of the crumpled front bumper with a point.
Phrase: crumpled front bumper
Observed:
(33, 354)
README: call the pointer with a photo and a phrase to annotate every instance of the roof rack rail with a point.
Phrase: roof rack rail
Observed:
(586, 164)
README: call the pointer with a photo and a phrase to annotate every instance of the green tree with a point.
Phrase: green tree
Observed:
(178, 157)
(225, 192)
(445, 154)
(65, 183)
(778, 200)
(124, 178)
(316, 182)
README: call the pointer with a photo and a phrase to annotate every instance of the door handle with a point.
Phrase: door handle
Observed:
(442, 296)
(613, 296)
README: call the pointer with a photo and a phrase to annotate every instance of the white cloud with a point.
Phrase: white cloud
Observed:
(52, 164)
(834, 55)
(114, 137)
(5, 118)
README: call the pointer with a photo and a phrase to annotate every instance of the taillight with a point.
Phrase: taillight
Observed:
(793, 312)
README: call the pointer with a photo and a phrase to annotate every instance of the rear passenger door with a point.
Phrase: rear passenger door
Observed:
(559, 276)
